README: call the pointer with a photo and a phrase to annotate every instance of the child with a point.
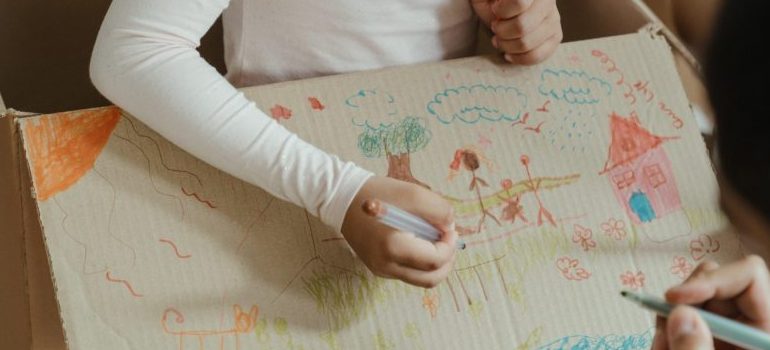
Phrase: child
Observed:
(737, 79)
(144, 61)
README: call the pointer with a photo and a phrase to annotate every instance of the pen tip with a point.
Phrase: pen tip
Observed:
(623, 293)
(462, 245)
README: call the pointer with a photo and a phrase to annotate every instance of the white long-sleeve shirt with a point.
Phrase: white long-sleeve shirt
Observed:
(145, 61)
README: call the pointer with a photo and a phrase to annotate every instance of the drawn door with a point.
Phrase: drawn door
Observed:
(641, 206)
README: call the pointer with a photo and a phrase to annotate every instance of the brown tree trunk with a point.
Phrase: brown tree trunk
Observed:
(399, 168)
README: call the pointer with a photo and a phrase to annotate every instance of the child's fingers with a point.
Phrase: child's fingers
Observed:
(526, 23)
(425, 279)
(726, 308)
(537, 55)
(430, 207)
(483, 9)
(746, 280)
(506, 9)
(685, 330)
(527, 42)
(417, 253)
(708, 265)
(660, 342)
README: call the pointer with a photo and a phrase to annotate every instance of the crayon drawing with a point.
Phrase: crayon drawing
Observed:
(472, 104)
(569, 180)
(243, 323)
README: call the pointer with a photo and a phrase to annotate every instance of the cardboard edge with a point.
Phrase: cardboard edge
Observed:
(678, 45)
(47, 326)
(493, 58)
(17, 328)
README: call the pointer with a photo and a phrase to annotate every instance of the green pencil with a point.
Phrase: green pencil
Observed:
(722, 328)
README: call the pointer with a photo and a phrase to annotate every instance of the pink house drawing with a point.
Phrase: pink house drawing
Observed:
(640, 172)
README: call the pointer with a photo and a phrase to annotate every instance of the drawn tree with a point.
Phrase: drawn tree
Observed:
(395, 141)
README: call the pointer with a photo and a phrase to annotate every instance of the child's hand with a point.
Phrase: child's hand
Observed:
(393, 254)
(740, 291)
(526, 31)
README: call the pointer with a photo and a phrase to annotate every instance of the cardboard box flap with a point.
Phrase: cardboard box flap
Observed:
(28, 299)
(596, 180)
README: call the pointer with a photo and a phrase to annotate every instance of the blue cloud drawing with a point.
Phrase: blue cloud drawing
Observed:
(470, 104)
(574, 87)
(374, 108)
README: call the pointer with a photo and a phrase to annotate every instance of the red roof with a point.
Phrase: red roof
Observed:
(629, 141)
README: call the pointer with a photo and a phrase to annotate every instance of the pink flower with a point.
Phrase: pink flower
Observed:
(506, 184)
(703, 245)
(632, 280)
(583, 236)
(615, 229)
(571, 270)
(681, 267)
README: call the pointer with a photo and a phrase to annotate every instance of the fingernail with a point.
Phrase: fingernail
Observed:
(494, 42)
(509, 57)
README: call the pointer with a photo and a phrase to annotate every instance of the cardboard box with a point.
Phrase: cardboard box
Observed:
(30, 299)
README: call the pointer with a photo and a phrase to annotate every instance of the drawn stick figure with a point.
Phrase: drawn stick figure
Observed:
(534, 186)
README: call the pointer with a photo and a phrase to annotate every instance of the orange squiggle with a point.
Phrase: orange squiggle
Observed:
(176, 250)
(197, 197)
(677, 121)
(125, 283)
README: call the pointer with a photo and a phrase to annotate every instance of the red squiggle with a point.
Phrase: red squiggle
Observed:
(677, 121)
(193, 194)
(125, 283)
(176, 250)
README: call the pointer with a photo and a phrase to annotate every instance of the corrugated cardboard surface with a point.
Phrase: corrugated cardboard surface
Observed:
(153, 249)
(38, 326)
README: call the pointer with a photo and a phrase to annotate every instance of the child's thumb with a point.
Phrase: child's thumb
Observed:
(687, 331)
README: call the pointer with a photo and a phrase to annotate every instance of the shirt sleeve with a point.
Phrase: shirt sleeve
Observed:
(145, 61)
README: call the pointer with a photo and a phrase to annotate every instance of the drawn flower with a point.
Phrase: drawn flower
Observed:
(615, 229)
(507, 184)
(681, 267)
(702, 246)
(632, 280)
(571, 270)
(583, 236)
(430, 303)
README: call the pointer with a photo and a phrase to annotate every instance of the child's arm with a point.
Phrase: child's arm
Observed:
(525, 31)
(145, 61)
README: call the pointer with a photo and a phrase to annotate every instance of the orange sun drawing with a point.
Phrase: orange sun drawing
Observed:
(63, 147)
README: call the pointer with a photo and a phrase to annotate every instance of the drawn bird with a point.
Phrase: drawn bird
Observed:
(535, 129)
(315, 104)
(545, 107)
(522, 121)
